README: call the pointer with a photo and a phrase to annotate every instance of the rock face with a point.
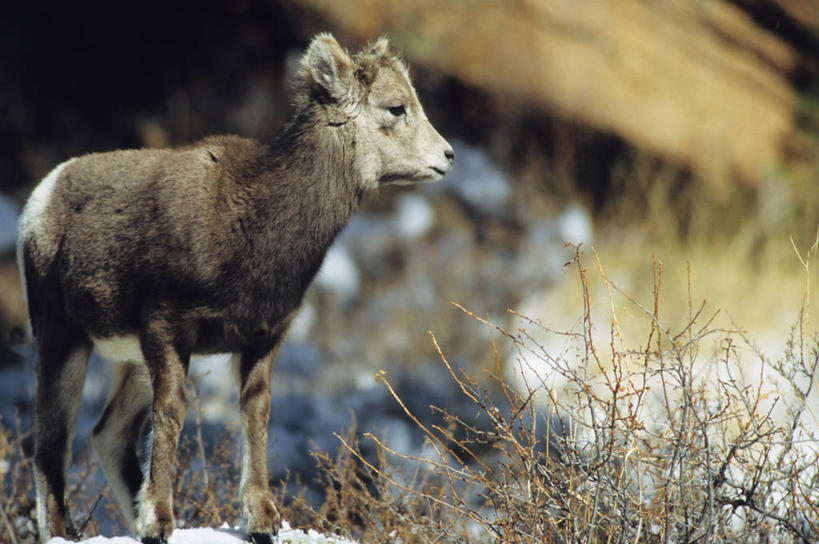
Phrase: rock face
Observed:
(696, 82)
(804, 11)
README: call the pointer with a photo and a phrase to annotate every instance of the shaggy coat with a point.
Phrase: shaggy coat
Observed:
(152, 256)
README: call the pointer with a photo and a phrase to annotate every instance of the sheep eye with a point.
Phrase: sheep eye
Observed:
(398, 111)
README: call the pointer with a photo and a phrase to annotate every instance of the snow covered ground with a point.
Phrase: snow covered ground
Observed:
(222, 535)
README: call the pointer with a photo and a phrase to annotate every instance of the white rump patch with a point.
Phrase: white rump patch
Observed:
(38, 201)
(119, 349)
(31, 219)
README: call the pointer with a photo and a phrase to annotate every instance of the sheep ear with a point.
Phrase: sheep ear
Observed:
(381, 47)
(327, 65)
(370, 59)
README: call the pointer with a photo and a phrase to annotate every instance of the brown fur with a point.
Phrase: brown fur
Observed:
(201, 249)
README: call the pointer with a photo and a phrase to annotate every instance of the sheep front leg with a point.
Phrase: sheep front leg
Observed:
(168, 369)
(253, 367)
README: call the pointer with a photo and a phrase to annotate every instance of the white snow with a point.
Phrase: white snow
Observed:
(302, 325)
(575, 225)
(477, 180)
(414, 217)
(222, 535)
(339, 273)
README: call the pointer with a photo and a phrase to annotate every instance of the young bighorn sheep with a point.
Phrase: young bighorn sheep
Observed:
(152, 256)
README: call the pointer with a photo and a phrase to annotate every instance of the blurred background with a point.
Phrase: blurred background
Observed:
(685, 132)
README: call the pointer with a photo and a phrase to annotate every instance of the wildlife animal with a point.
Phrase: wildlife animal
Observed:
(152, 256)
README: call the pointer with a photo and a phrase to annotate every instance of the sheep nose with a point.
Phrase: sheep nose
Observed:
(450, 155)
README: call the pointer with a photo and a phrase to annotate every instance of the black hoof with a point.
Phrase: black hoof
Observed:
(154, 540)
(261, 538)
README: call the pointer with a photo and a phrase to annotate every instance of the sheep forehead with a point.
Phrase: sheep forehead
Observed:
(392, 85)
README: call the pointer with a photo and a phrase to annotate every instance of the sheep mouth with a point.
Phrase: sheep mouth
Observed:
(429, 175)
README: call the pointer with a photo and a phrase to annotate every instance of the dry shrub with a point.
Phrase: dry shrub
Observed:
(17, 500)
(18, 522)
(715, 461)
(376, 503)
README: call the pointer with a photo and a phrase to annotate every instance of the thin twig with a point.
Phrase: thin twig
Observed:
(81, 530)
(7, 523)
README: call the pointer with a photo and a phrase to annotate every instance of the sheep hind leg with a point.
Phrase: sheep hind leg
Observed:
(61, 366)
(168, 367)
(117, 433)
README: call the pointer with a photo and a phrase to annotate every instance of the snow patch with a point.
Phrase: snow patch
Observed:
(575, 226)
(222, 535)
(414, 217)
(218, 391)
(302, 325)
(478, 181)
(339, 273)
